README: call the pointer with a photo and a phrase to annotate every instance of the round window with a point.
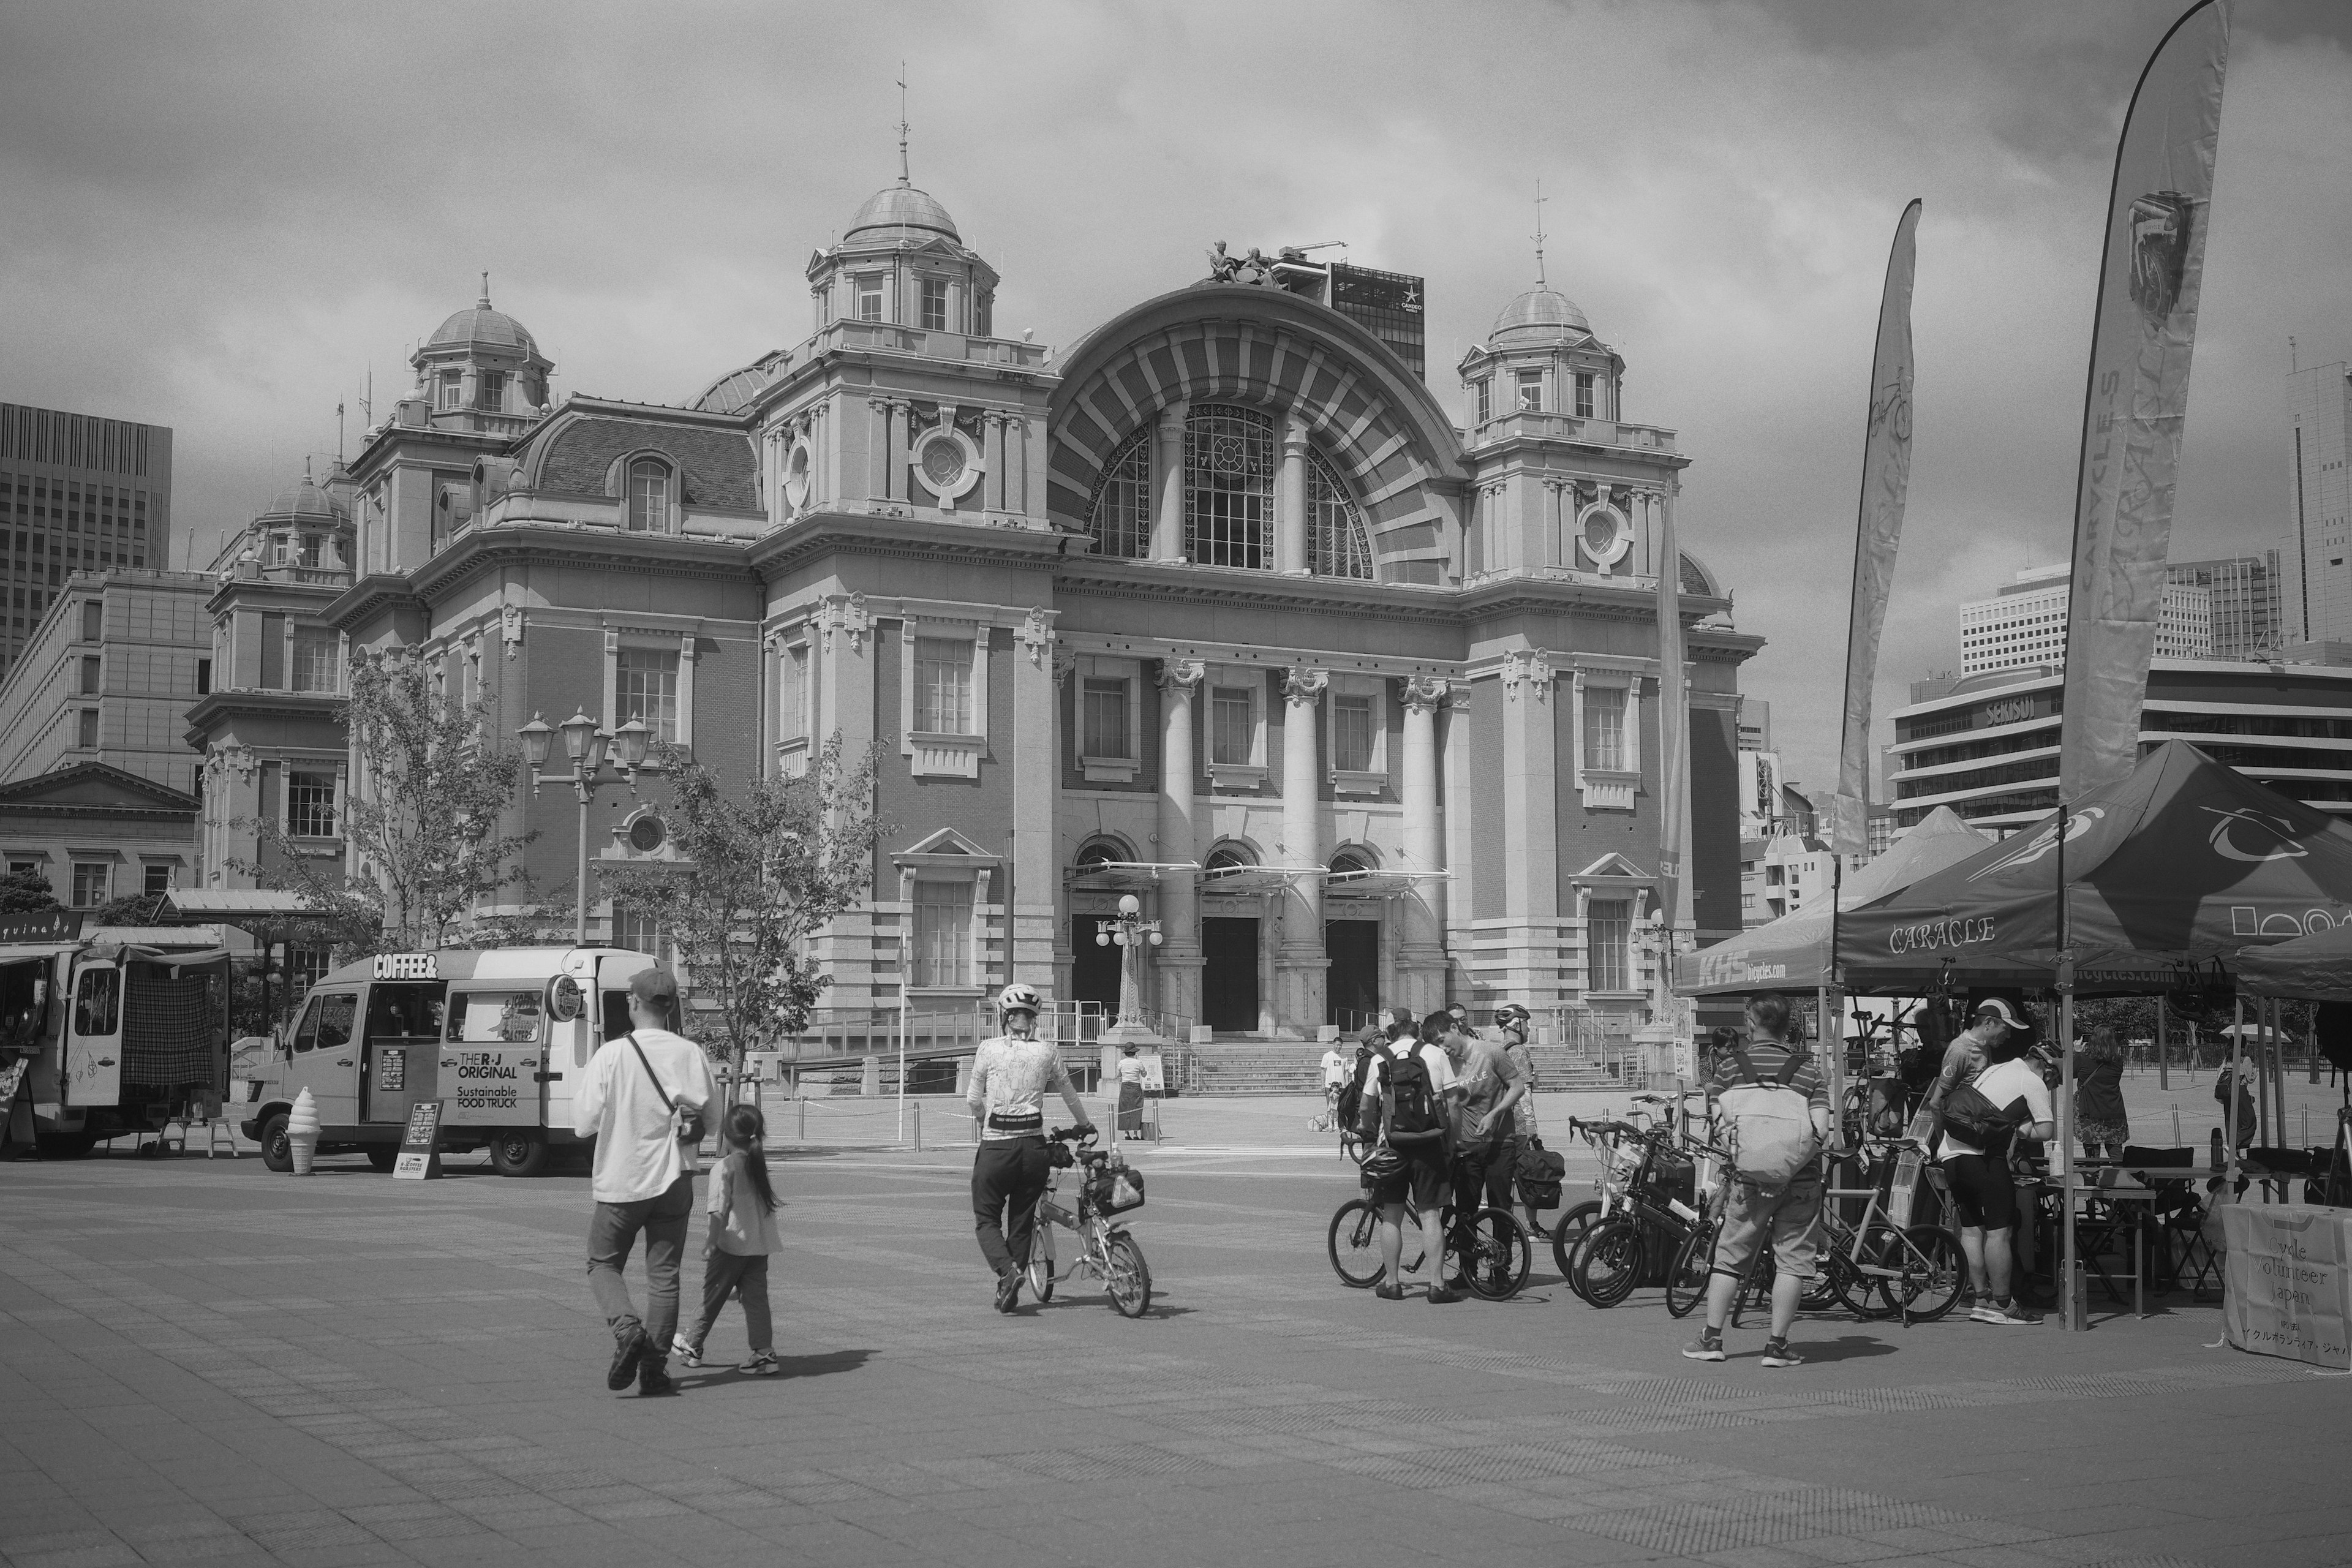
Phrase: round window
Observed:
(796, 477)
(943, 463)
(647, 834)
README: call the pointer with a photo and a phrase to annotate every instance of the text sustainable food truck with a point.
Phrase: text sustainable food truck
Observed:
(500, 1036)
(123, 1028)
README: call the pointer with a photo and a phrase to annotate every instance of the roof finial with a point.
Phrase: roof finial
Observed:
(1540, 235)
(306, 467)
(484, 303)
(905, 176)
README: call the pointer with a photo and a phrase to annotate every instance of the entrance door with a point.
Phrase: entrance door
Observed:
(1093, 971)
(325, 1057)
(1229, 974)
(94, 1046)
(1352, 983)
(403, 1048)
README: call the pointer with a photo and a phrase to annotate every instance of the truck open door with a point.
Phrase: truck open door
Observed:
(94, 1035)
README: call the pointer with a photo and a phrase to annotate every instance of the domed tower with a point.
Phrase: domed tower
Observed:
(481, 370)
(1541, 358)
(304, 528)
(902, 262)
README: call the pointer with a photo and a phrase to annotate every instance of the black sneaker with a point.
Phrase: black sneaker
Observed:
(631, 1350)
(653, 1376)
(1777, 1353)
(1008, 1289)
(1441, 1294)
(1389, 1291)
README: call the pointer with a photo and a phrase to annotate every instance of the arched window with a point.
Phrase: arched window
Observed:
(648, 495)
(1347, 861)
(1120, 518)
(1102, 852)
(1337, 544)
(1229, 465)
(1228, 855)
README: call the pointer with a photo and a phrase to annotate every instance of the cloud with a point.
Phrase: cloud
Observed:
(221, 217)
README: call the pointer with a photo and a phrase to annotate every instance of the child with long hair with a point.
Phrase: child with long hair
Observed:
(735, 1255)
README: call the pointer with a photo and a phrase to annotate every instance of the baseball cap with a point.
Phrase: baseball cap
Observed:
(654, 985)
(2003, 1013)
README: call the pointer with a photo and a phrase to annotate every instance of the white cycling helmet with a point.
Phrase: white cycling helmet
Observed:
(1021, 998)
(1510, 1013)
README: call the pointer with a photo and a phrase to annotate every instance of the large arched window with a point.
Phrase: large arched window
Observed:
(1121, 519)
(648, 495)
(1336, 541)
(1229, 467)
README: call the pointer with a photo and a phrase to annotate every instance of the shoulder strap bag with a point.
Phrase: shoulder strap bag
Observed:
(689, 1123)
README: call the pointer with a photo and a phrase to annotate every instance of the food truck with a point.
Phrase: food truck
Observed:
(499, 1035)
(121, 1029)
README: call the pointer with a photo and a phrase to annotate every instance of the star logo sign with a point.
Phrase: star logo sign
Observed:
(2271, 836)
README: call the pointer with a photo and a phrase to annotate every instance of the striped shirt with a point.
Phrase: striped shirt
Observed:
(1009, 1080)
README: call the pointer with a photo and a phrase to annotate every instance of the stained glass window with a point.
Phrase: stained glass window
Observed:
(1120, 520)
(1229, 467)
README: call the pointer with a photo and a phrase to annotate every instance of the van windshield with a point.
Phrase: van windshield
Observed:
(490, 1017)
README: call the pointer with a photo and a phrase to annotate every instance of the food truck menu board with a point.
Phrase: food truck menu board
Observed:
(417, 1140)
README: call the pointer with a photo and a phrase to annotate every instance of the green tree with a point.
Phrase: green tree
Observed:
(421, 820)
(762, 867)
(25, 894)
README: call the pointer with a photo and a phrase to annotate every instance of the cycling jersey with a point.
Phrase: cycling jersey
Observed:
(1009, 1080)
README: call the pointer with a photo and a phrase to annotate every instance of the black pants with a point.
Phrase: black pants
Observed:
(1482, 1179)
(1007, 1170)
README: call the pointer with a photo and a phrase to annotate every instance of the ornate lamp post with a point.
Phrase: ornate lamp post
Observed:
(1658, 940)
(585, 743)
(1130, 931)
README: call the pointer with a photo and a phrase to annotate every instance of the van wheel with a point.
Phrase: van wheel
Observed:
(518, 1152)
(277, 1148)
(383, 1156)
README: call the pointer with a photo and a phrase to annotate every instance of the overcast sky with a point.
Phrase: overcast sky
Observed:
(218, 217)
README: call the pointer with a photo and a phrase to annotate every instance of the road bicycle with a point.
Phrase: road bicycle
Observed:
(1105, 1249)
(1496, 1267)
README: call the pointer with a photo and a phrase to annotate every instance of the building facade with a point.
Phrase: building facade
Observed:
(2316, 587)
(105, 676)
(96, 833)
(1217, 606)
(2025, 624)
(2244, 590)
(78, 493)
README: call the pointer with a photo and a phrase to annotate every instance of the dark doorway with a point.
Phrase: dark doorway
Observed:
(1093, 971)
(1352, 983)
(1229, 974)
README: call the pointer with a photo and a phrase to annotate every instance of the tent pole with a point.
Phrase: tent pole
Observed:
(2230, 1098)
(2163, 1062)
(2065, 1161)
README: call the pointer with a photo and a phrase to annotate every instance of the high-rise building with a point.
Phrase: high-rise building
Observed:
(2245, 595)
(1755, 724)
(2024, 624)
(1391, 306)
(107, 677)
(78, 493)
(2315, 596)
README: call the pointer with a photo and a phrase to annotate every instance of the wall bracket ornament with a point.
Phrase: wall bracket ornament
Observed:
(1531, 668)
(1065, 663)
(849, 617)
(1036, 635)
(510, 629)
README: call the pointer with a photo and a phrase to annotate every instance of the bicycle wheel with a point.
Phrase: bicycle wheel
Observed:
(1355, 1244)
(1608, 1262)
(1686, 1281)
(1934, 1273)
(1040, 1267)
(1125, 1277)
(1574, 1221)
(1500, 1255)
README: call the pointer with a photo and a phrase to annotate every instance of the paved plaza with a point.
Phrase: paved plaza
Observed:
(199, 1360)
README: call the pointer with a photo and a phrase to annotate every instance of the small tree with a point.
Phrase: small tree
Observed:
(765, 864)
(421, 818)
(25, 892)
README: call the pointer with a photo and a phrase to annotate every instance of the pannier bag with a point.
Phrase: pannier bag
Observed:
(1540, 1173)
(1119, 1189)
(1771, 1124)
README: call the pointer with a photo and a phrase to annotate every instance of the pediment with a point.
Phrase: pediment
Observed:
(94, 785)
(1614, 865)
(948, 841)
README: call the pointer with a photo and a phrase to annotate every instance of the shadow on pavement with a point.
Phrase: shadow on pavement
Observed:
(1846, 1347)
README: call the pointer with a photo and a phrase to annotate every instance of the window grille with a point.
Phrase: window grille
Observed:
(1336, 536)
(311, 804)
(1120, 518)
(644, 686)
(1229, 467)
(942, 686)
(935, 304)
(1605, 727)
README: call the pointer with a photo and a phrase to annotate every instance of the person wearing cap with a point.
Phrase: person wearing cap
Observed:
(1984, 1194)
(641, 1096)
(1011, 1163)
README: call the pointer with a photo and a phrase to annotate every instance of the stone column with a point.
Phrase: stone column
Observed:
(1179, 905)
(1168, 470)
(1290, 542)
(1421, 947)
(877, 457)
(1300, 962)
(1530, 827)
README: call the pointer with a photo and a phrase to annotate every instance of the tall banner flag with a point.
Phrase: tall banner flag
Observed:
(2139, 395)
(1886, 480)
(1674, 729)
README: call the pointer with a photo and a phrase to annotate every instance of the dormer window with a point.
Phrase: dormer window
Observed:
(648, 495)
(1584, 400)
(1531, 391)
(869, 297)
(490, 390)
(935, 304)
(451, 389)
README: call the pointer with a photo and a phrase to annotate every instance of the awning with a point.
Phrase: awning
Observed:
(173, 937)
(2316, 968)
(1255, 878)
(1372, 884)
(1127, 875)
(240, 901)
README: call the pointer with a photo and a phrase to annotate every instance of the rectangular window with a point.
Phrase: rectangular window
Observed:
(1608, 940)
(1106, 718)
(156, 880)
(89, 722)
(90, 675)
(1584, 395)
(1351, 734)
(314, 659)
(204, 675)
(93, 620)
(1605, 727)
(1233, 726)
(1486, 401)
(935, 304)
(24, 867)
(490, 389)
(1531, 390)
(92, 880)
(637, 931)
(942, 686)
(648, 497)
(869, 298)
(311, 804)
(942, 954)
(794, 700)
(452, 387)
(644, 686)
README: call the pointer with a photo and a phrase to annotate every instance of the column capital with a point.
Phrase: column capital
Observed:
(1302, 684)
(1170, 417)
(1182, 674)
(1423, 693)
(1294, 431)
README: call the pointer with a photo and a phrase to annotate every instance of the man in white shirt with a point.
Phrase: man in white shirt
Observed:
(639, 1090)
(1011, 1163)
(1336, 1070)
(1983, 1195)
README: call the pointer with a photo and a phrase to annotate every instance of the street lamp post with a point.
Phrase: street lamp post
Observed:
(585, 743)
(1129, 931)
(1659, 939)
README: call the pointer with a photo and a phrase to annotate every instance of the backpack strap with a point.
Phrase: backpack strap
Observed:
(1794, 1066)
(667, 1103)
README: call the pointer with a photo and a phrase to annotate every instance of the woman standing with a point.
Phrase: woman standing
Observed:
(2099, 1114)
(1132, 1075)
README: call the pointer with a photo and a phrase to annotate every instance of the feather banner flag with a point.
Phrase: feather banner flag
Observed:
(2137, 397)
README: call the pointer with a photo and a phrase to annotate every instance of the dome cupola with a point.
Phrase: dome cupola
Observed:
(481, 370)
(1539, 316)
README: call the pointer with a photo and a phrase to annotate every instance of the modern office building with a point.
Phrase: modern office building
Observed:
(1755, 724)
(2316, 587)
(107, 674)
(2244, 590)
(2025, 623)
(1216, 607)
(1988, 748)
(78, 492)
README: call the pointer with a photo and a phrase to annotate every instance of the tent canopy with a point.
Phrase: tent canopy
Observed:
(1787, 954)
(2315, 968)
(2185, 861)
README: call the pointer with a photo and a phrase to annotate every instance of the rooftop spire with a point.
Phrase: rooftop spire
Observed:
(484, 303)
(1538, 235)
(905, 176)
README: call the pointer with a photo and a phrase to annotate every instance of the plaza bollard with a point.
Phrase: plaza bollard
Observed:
(302, 1132)
(916, 1111)
(801, 1101)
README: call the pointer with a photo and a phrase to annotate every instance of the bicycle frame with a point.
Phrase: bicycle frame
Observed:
(1094, 1229)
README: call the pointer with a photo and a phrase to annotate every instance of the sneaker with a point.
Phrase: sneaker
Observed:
(2010, 1314)
(625, 1356)
(1389, 1291)
(1777, 1353)
(1983, 1312)
(1008, 1289)
(652, 1377)
(1708, 1346)
(764, 1363)
(1438, 1295)
(689, 1354)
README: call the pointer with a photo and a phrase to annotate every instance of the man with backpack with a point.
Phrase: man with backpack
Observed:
(1982, 1113)
(1774, 1105)
(1403, 1115)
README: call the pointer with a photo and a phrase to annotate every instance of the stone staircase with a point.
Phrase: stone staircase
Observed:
(1295, 1067)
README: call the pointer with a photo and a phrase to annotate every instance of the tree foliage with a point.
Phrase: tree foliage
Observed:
(25, 894)
(421, 820)
(763, 865)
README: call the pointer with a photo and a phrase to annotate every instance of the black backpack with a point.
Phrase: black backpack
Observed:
(1541, 1173)
(1351, 1094)
(1413, 1117)
(1970, 1113)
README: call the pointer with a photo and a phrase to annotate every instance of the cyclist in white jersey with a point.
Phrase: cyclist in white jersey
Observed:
(1009, 1076)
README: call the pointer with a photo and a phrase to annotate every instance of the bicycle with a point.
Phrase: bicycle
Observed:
(1500, 1254)
(1603, 1138)
(1613, 1256)
(1105, 1249)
